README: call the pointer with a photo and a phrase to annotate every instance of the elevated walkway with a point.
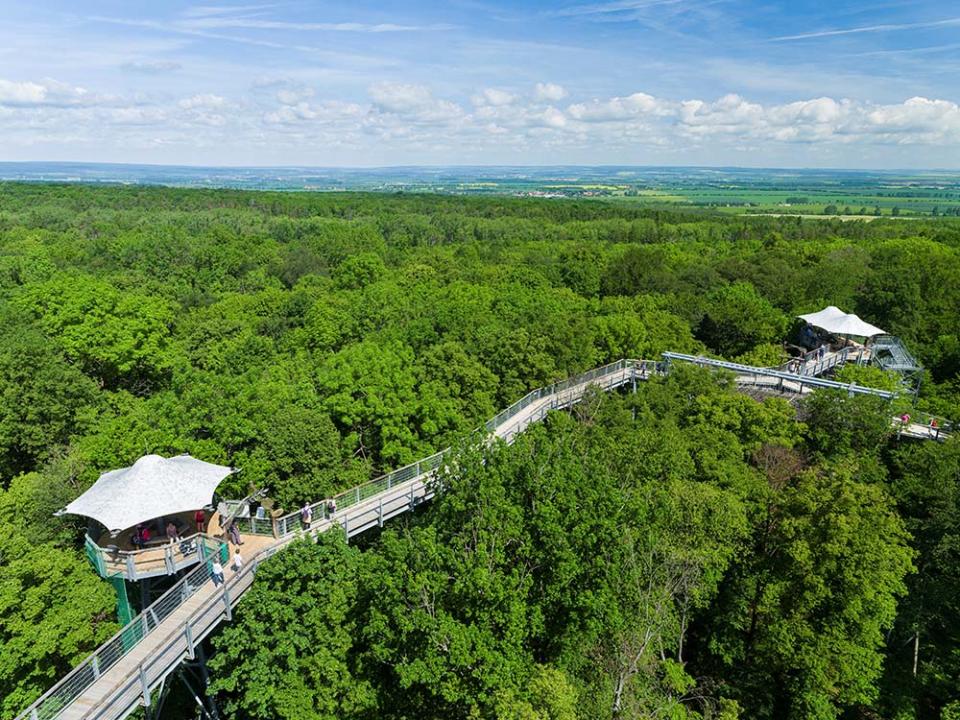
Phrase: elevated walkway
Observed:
(126, 671)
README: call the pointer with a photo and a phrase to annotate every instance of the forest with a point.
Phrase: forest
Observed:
(685, 551)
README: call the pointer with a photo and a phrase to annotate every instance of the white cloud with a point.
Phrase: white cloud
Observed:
(554, 118)
(621, 108)
(405, 120)
(400, 97)
(157, 67)
(326, 112)
(45, 92)
(207, 102)
(493, 96)
(214, 22)
(889, 27)
(415, 102)
(292, 96)
(550, 92)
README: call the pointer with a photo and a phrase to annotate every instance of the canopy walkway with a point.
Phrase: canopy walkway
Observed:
(127, 670)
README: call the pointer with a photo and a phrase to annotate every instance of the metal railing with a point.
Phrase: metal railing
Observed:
(51, 703)
(783, 381)
(162, 558)
(291, 522)
(287, 527)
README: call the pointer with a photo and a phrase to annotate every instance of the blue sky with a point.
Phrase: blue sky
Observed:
(685, 82)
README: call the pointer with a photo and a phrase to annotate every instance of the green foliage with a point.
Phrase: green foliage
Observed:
(54, 609)
(738, 318)
(839, 424)
(120, 338)
(804, 614)
(286, 655)
(43, 399)
(612, 556)
(870, 376)
(926, 484)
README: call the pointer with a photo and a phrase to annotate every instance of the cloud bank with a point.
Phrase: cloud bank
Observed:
(490, 124)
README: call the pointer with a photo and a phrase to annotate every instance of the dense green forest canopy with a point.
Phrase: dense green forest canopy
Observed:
(687, 551)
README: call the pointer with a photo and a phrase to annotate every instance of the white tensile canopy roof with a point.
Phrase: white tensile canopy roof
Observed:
(834, 320)
(152, 487)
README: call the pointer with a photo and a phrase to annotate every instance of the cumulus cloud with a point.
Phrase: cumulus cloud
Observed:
(549, 92)
(206, 102)
(331, 111)
(493, 96)
(415, 102)
(400, 97)
(44, 92)
(407, 117)
(621, 108)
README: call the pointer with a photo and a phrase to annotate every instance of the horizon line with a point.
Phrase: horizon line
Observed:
(533, 166)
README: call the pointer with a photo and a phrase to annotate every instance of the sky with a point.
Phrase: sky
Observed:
(808, 83)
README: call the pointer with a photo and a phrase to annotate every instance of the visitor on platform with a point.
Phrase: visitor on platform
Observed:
(237, 560)
(172, 533)
(234, 532)
(331, 507)
(216, 572)
(306, 516)
(140, 536)
(200, 518)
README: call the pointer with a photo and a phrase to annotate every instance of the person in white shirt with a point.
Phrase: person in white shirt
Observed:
(237, 560)
(216, 572)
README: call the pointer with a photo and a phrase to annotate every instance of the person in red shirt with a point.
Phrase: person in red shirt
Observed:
(200, 518)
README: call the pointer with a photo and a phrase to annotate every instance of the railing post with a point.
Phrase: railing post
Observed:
(226, 602)
(33, 714)
(168, 558)
(188, 636)
(358, 493)
(346, 527)
(95, 664)
(144, 688)
(380, 512)
(253, 525)
(131, 568)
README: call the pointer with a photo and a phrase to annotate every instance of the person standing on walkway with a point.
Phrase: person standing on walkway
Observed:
(172, 533)
(234, 533)
(237, 560)
(200, 518)
(216, 572)
(306, 516)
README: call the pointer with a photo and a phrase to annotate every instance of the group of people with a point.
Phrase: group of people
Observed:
(216, 568)
(142, 535)
(306, 512)
(796, 365)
